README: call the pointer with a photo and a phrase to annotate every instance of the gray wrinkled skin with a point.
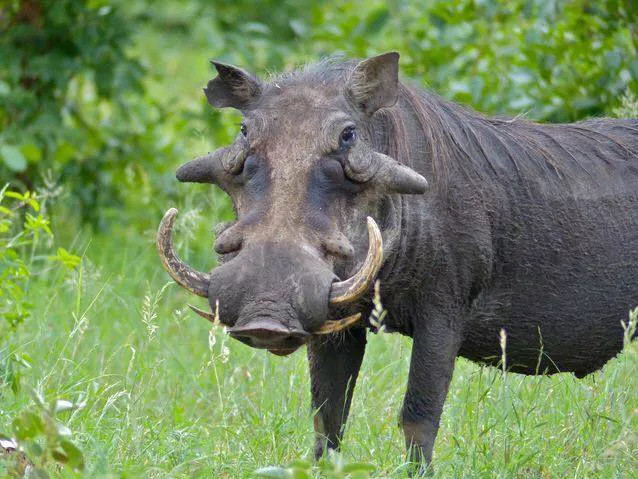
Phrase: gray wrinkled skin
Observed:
(525, 227)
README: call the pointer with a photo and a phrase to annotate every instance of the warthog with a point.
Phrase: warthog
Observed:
(527, 228)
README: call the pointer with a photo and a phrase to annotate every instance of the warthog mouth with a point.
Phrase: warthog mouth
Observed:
(261, 335)
(328, 327)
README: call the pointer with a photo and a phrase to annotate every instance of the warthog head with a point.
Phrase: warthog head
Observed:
(305, 175)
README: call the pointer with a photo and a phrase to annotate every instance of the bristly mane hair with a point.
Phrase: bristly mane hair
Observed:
(458, 143)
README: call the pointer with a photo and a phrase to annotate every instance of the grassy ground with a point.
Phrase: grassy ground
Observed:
(163, 396)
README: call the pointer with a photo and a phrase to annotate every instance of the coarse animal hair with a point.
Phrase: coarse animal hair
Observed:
(461, 143)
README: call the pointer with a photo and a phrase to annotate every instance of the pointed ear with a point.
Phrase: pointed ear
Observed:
(232, 87)
(374, 83)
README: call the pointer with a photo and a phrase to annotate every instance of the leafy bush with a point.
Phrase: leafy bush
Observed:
(14, 270)
(22, 227)
(72, 100)
(25, 240)
(558, 61)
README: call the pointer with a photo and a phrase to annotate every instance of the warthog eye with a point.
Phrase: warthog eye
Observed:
(348, 137)
(243, 129)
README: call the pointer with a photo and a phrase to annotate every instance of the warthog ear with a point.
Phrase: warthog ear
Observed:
(374, 83)
(232, 87)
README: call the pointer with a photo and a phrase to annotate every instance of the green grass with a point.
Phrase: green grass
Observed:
(166, 397)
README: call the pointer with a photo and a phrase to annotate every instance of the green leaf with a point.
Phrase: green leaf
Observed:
(69, 260)
(6, 212)
(31, 152)
(15, 195)
(300, 474)
(75, 458)
(64, 153)
(13, 157)
(27, 426)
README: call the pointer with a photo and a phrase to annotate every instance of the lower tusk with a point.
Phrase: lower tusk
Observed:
(209, 316)
(187, 277)
(351, 289)
(330, 327)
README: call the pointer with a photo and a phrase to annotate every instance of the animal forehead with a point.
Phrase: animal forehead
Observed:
(298, 103)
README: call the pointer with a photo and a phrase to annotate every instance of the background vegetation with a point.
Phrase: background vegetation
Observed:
(103, 371)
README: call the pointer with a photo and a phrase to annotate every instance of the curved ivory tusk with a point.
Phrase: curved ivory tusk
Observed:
(182, 274)
(209, 316)
(352, 288)
(330, 327)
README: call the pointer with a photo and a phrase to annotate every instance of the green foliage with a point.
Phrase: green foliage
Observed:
(554, 60)
(14, 269)
(22, 226)
(39, 439)
(24, 235)
(72, 100)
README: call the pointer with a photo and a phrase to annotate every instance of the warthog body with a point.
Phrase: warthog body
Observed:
(527, 228)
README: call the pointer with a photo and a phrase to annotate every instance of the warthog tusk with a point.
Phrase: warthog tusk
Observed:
(209, 316)
(182, 274)
(330, 327)
(351, 289)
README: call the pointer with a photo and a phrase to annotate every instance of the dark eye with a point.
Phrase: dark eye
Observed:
(348, 137)
(243, 129)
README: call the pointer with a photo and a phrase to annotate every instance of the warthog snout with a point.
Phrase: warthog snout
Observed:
(270, 334)
(274, 295)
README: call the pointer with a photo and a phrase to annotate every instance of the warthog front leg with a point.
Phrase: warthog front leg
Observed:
(334, 367)
(434, 350)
